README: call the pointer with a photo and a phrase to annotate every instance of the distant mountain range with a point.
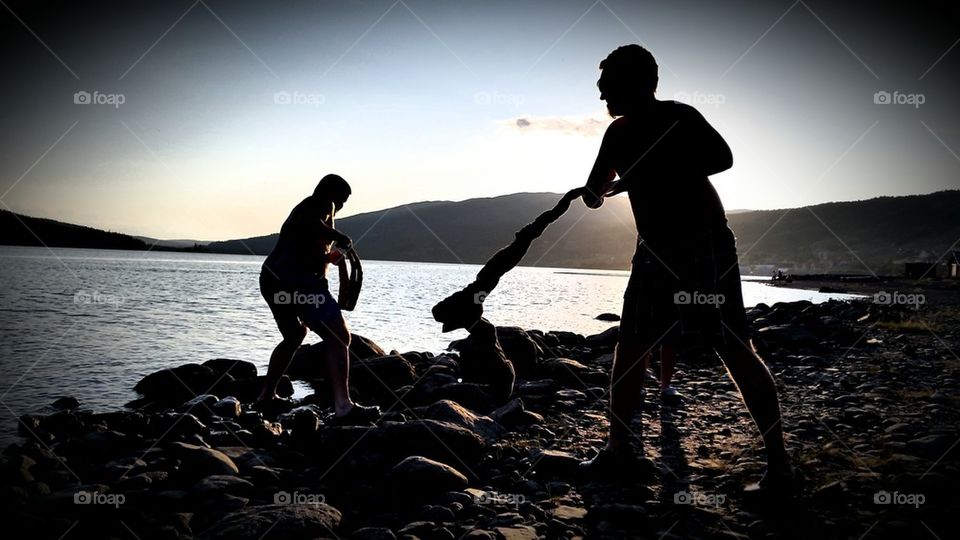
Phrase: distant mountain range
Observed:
(875, 235)
(860, 236)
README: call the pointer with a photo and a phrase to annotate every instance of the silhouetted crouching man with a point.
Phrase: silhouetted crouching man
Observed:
(685, 285)
(294, 284)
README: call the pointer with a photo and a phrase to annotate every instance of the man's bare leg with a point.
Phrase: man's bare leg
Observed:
(336, 335)
(759, 392)
(630, 361)
(279, 362)
(668, 364)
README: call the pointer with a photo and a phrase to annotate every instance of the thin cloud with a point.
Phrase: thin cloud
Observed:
(584, 125)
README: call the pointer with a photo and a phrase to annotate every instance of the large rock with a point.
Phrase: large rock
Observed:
(381, 375)
(198, 461)
(522, 351)
(372, 449)
(426, 476)
(309, 360)
(315, 520)
(238, 369)
(179, 384)
(571, 373)
(453, 413)
(247, 390)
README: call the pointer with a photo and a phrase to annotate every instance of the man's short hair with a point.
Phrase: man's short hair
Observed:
(332, 186)
(633, 65)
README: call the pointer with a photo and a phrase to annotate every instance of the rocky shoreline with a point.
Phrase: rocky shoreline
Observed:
(869, 396)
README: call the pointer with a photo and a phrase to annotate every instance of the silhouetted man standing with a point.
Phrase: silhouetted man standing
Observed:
(293, 282)
(685, 285)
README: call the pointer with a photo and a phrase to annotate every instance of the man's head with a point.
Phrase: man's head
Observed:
(333, 188)
(628, 79)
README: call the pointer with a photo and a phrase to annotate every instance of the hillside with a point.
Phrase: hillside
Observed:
(881, 232)
(20, 230)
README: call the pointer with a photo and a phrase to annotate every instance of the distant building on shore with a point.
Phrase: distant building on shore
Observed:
(953, 265)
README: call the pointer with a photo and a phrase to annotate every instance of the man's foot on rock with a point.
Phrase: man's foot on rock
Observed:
(782, 481)
(617, 465)
(669, 394)
(358, 415)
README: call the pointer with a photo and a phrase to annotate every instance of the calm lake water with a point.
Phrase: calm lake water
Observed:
(91, 323)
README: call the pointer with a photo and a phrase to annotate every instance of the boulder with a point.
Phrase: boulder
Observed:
(198, 461)
(228, 407)
(454, 413)
(238, 369)
(179, 384)
(426, 476)
(315, 520)
(308, 362)
(381, 375)
(248, 390)
(572, 373)
(382, 446)
(608, 317)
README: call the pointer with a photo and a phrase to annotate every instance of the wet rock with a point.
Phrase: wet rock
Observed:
(612, 317)
(387, 443)
(238, 369)
(555, 463)
(66, 402)
(607, 338)
(423, 475)
(453, 413)
(283, 520)
(425, 530)
(381, 375)
(309, 362)
(179, 384)
(248, 390)
(518, 532)
(373, 533)
(221, 483)
(198, 461)
(572, 373)
(228, 407)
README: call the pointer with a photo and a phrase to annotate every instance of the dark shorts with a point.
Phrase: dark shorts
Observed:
(306, 300)
(688, 295)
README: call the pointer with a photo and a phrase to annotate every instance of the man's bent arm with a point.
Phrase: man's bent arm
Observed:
(603, 173)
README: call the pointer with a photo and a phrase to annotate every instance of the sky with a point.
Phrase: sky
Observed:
(210, 119)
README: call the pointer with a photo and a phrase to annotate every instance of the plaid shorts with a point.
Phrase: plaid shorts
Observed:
(687, 295)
